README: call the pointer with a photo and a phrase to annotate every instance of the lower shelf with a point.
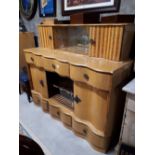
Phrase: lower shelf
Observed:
(62, 100)
(81, 128)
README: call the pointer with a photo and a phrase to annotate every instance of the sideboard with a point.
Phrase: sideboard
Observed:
(82, 89)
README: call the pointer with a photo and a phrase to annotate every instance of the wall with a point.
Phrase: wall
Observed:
(126, 7)
(32, 24)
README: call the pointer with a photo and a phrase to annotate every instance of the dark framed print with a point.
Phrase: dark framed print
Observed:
(75, 6)
(28, 8)
(47, 8)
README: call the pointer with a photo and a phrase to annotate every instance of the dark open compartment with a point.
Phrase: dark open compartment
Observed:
(60, 89)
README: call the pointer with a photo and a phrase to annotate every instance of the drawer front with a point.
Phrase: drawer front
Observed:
(98, 141)
(67, 120)
(33, 59)
(80, 128)
(38, 60)
(54, 111)
(36, 99)
(56, 66)
(29, 57)
(45, 105)
(95, 79)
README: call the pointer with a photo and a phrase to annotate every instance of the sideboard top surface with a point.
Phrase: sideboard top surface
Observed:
(96, 64)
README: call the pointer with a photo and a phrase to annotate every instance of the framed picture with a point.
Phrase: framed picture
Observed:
(47, 8)
(75, 6)
(28, 8)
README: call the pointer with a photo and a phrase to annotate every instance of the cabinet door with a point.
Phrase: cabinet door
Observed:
(91, 104)
(106, 41)
(39, 81)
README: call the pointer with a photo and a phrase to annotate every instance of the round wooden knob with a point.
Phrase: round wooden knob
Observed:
(53, 66)
(50, 37)
(86, 77)
(32, 59)
(84, 131)
(58, 113)
(41, 83)
(93, 42)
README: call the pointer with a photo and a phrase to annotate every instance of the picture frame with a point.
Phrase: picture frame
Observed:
(70, 7)
(28, 8)
(47, 8)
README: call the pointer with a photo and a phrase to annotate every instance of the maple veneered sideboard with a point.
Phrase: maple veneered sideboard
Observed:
(77, 75)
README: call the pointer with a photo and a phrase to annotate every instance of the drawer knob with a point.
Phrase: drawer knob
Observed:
(77, 99)
(58, 113)
(93, 42)
(32, 59)
(41, 83)
(53, 66)
(50, 37)
(84, 131)
(86, 77)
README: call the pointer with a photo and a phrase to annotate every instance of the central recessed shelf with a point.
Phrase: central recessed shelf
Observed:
(63, 100)
(60, 89)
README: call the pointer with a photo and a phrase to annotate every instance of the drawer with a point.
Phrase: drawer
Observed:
(36, 99)
(99, 141)
(54, 111)
(80, 128)
(29, 57)
(56, 66)
(38, 60)
(98, 80)
(33, 59)
(45, 105)
(66, 119)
